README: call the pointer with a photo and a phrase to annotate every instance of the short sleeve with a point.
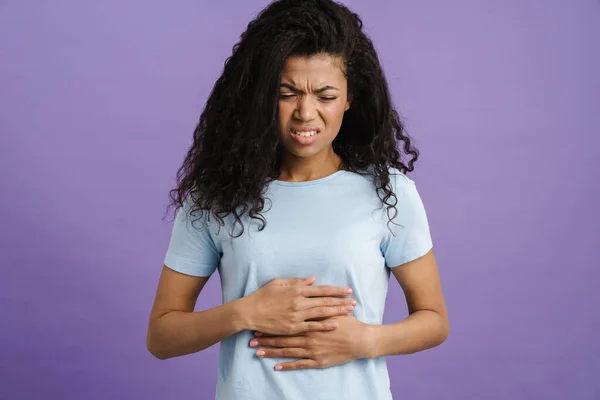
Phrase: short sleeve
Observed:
(191, 250)
(407, 237)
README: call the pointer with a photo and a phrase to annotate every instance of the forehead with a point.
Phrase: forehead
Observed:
(313, 70)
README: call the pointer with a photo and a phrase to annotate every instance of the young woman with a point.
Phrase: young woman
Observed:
(295, 190)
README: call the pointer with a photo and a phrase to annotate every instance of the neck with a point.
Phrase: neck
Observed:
(302, 169)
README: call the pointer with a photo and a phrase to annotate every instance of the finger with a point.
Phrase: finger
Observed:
(303, 304)
(262, 334)
(288, 352)
(329, 301)
(325, 291)
(310, 280)
(280, 342)
(325, 312)
(316, 326)
(300, 364)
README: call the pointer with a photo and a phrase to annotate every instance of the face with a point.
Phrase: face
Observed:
(313, 99)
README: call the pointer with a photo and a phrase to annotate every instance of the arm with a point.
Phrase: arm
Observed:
(283, 306)
(175, 330)
(427, 325)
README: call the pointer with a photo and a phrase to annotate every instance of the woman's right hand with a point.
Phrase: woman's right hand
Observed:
(292, 306)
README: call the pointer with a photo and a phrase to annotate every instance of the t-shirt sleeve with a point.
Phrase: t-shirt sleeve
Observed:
(192, 250)
(407, 236)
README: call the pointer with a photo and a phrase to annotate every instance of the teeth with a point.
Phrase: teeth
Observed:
(305, 134)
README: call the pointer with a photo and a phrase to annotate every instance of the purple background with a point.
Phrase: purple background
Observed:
(98, 101)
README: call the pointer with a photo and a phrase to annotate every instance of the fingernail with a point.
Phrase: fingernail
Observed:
(349, 291)
(278, 367)
(353, 302)
(253, 343)
(333, 325)
(260, 353)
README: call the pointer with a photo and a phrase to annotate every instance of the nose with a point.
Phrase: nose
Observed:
(305, 109)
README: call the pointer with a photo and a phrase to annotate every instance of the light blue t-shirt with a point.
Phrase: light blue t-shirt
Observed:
(334, 228)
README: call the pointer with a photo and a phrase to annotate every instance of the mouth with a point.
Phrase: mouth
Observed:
(305, 132)
(305, 136)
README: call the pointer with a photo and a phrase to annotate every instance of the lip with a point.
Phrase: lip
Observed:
(305, 141)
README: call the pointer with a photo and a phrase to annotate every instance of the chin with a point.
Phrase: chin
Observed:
(304, 154)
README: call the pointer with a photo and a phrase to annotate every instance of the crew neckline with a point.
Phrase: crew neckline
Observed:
(311, 182)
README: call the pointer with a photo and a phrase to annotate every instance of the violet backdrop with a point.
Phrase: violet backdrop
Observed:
(98, 101)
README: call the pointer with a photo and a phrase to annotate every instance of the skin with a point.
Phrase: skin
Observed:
(292, 317)
(313, 92)
(282, 306)
(424, 328)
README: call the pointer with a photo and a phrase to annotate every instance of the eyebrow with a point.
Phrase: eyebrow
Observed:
(317, 91)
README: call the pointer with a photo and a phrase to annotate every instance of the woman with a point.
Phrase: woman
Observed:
(295, 190)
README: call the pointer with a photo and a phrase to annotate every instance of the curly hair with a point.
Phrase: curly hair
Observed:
(236, 152)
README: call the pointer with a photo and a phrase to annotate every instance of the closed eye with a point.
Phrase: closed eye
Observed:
(292, 95)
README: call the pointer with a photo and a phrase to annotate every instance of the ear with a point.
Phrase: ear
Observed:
(347, 107)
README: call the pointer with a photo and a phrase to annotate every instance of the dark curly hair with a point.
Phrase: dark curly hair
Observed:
(235, 152)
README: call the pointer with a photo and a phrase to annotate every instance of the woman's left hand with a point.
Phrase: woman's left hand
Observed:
(350, 341)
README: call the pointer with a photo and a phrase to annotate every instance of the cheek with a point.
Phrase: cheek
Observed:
(284, 113)
(334, 114)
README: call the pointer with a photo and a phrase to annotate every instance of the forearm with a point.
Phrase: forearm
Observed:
(421, 330)
(178, 333)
